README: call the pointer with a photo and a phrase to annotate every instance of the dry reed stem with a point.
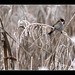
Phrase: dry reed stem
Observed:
(26, 9)
(27, 27)
(36, 24)
(31, 63)
(64, 33)
(48, 59)
(36, 45)
(25, 50)
(54, 50)
(69, 21)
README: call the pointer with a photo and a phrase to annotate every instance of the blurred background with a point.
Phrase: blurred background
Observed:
(35, 49)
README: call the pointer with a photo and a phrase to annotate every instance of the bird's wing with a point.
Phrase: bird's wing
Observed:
(56, 23)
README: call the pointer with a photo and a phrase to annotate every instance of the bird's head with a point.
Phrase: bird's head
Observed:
(62, 21)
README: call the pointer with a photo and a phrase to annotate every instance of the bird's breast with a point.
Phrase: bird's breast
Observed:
(59, 27)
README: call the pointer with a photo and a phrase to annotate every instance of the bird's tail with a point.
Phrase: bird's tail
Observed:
(51, 32)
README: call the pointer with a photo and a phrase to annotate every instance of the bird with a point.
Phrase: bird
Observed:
(59, 25)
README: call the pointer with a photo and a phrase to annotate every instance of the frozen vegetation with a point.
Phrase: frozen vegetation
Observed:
(24, 40)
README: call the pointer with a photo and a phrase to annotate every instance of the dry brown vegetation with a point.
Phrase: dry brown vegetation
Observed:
(24, 40)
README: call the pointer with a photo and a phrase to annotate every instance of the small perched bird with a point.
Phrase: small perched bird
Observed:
(59, 25)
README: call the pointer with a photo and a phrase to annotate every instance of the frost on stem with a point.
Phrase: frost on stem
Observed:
(73, 39)
(34, 39)
(24, 23)
(43, 68)
(72, 66)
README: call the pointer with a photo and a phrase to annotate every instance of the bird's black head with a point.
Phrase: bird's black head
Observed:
(62, 20)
